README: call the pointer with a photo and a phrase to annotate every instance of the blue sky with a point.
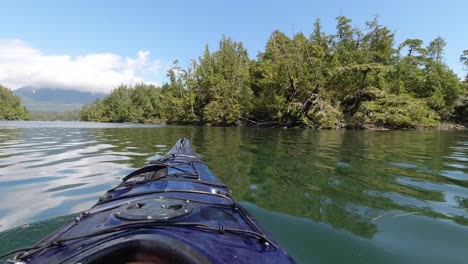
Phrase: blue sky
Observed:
(130, 41)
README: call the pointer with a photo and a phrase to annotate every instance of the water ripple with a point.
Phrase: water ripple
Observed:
(370, 184)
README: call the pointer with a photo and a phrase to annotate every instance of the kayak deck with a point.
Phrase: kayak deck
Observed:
(173, 210)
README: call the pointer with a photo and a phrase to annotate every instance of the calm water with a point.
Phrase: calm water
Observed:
(326, 196)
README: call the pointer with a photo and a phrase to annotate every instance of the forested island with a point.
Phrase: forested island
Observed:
(353, 78)
(11, 107)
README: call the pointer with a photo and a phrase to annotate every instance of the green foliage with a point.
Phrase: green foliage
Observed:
(414, 47)
(460, 110)
(436, 49)
(137, 104)
(53, 116)
(354, 77)
(10, 106)
(394, 111)
(464, 60)
(93, 112)
(222, 79)
(322, 115)
(425, 76)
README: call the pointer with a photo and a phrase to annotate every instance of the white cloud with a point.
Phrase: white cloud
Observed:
(22, 65)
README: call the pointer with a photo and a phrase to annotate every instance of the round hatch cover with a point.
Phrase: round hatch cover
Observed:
(156, 209)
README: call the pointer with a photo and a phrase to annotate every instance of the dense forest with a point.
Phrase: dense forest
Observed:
(10, 106)
(353, 78)
(73, 115)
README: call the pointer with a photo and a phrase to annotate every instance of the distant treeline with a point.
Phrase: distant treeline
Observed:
(11, 107)
(52, 116)
(354, 77)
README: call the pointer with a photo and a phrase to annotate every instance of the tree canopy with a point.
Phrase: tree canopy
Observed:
(353, 77)
(11, 107)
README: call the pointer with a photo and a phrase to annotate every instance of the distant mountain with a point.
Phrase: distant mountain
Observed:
(54, 99)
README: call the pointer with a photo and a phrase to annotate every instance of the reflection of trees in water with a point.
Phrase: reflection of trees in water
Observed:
(28, 235)
(462, 201)
(344, 178)
(6, 136)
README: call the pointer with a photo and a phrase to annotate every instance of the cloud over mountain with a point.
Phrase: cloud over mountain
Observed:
(22, 65)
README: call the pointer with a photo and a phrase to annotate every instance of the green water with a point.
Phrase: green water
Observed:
(325, 196)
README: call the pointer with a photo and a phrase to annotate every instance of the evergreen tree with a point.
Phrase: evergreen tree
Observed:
(436, 49)
(10, 106)
(223, 83)
(464, 60)
(354, 77)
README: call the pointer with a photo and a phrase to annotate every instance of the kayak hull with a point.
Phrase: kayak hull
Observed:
(173, 210)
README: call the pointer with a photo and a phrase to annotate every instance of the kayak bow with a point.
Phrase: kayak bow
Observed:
(172, 210)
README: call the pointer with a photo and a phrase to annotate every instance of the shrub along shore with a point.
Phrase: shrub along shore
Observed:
(353, 78)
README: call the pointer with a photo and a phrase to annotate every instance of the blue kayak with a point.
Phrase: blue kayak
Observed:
(172, 210)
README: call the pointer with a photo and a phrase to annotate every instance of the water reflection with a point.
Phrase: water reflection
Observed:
(362, 182)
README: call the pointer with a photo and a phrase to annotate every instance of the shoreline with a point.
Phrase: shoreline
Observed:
(445, 126)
